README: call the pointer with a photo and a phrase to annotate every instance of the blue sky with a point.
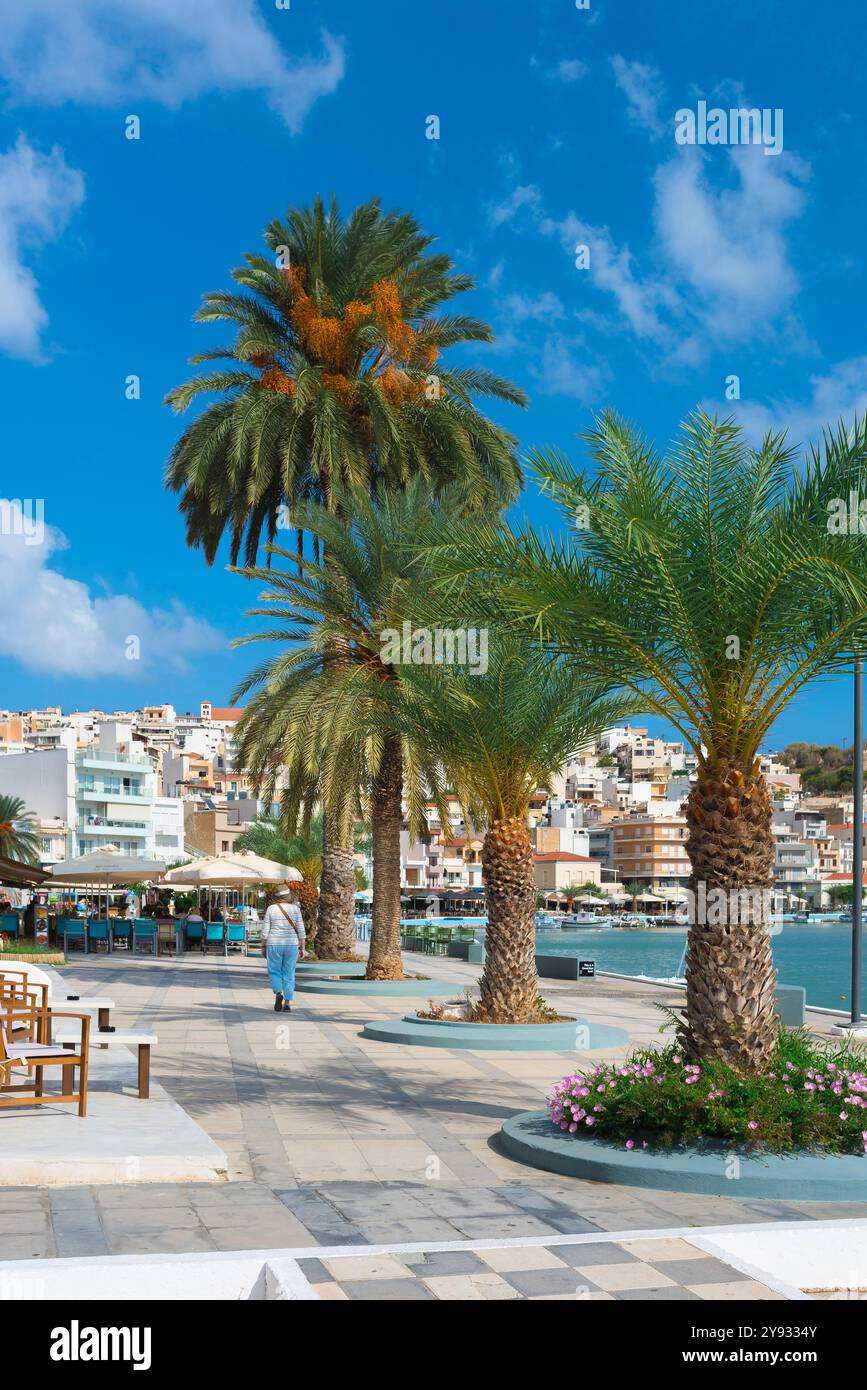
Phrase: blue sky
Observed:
(557, 128)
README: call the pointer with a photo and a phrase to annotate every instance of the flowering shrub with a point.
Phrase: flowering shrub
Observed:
(813, 1096)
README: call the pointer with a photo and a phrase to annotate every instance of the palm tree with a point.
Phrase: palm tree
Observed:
(500, 736)
(18, 837)
(716, 583)
(301, 852)
(328, 724)
(635, 891)
(334, 379)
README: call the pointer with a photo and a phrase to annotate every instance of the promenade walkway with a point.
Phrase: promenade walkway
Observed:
(337, 1141)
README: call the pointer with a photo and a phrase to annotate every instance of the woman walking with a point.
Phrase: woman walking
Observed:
(283, 945)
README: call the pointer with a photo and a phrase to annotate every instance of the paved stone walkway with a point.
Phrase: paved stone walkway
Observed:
(665, 1269)
(336, 1140)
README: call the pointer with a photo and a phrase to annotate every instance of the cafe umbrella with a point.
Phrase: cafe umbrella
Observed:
(104, 868)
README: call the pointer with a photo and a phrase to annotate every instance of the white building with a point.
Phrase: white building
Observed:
(102, 794)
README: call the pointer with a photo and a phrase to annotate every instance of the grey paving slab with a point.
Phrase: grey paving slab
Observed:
(605, 1253)
(709, 1271)
(387, 1290)
(535, 1282)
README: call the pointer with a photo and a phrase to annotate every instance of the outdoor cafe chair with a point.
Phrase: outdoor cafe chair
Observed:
(194, 932)
(99, 932)
(23, 992)
(71, 931)
(34, 1057)
(167, 936)
(144, 933)
(215, 935)
(121, 934)
(236, 935)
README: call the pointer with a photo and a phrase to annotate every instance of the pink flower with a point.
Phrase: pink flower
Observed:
(630, 1143)
(752, 1124)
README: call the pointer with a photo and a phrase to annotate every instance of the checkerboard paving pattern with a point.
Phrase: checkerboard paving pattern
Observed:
(589, 1271)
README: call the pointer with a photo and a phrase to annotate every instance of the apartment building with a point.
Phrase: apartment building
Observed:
(105, 793)
(651, 850)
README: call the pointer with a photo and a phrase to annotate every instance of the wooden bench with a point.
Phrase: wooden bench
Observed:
(122, 1037)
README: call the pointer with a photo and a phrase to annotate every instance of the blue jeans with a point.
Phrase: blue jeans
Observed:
(281, 958)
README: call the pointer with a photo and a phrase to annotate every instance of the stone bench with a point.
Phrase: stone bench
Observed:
(121, 1037)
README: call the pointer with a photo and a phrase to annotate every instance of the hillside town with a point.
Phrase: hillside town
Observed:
(156, 783)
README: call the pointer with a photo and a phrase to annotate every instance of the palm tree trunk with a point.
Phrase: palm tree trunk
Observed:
(335, 930)
(384, 962)
(509, 984)
(730, 976)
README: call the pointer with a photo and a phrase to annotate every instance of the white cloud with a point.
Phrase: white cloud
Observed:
(524, 196)
(718, 269)
(643, 88)
(840, 394)
(726, 247)
(39, 193)
(543, 307)
(560, 371)
(569, 70)
(612, 270)
(105, 53)
(57, 626)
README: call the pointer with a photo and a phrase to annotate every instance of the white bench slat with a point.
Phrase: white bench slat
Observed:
(122, 1036)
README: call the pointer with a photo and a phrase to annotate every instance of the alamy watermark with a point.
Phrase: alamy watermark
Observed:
(435, 646)
(23, 517)
(847, 516)
(740, 125)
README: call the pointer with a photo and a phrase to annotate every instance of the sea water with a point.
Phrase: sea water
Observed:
(819, 958)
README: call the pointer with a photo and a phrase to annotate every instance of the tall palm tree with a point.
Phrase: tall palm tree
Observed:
(18, 837)
(500, 735)
(329, 724)
(334, 379)
(715, 582)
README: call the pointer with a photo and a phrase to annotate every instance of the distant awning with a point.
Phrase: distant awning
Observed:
(17, 875)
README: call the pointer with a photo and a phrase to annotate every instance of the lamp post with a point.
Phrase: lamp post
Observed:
(856, 1026)
(858, 840)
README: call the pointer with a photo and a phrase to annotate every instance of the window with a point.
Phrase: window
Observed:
(46, 845)
(225, 846)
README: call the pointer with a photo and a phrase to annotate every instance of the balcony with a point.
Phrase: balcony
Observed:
(113, 758)
(110, 827)
(100, 792)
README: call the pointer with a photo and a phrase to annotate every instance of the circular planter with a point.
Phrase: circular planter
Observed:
(574, 1036)
(356, 984)
(711, 1167)
(313, 968)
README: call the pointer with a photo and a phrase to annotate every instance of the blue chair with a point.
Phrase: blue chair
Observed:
(215, 935)
(121, 931)
(71, 931)
(194, 932)
(236, 935)
(98, 931)
(9, 924)
(144, 933)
